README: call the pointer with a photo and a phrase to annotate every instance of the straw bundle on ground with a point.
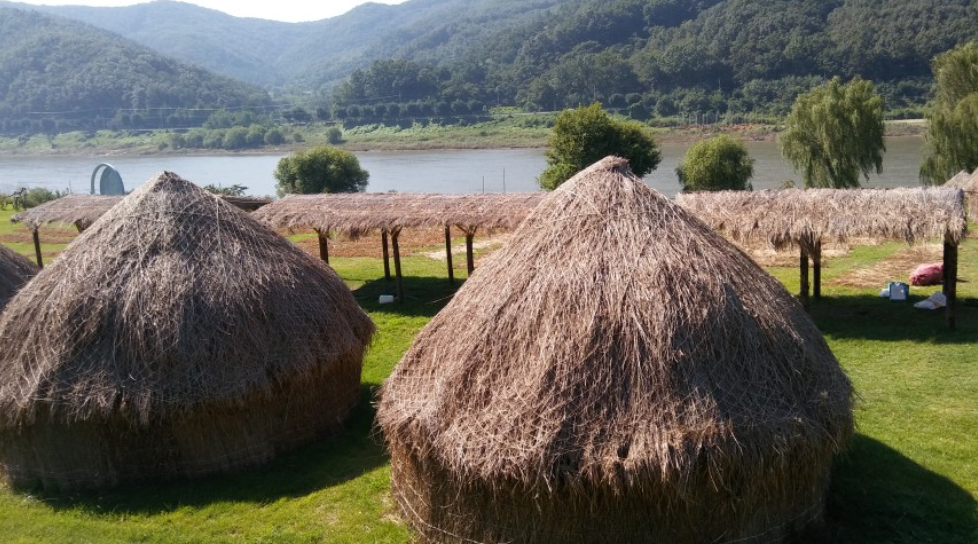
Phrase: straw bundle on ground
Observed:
(619, 373)
(15, 271)
(175, 337)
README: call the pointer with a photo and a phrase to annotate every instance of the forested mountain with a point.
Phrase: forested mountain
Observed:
(57, 74)
(643, 57)
(662, 57)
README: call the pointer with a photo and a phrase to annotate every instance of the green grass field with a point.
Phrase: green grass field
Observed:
(910, 475)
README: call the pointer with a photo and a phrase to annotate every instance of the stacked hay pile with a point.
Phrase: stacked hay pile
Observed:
(175, 337)
(15, 271)
(619, 373)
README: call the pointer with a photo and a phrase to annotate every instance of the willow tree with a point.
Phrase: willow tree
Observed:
(835, 133)
(951, 143)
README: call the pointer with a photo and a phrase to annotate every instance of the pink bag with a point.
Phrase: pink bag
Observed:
(928, 274)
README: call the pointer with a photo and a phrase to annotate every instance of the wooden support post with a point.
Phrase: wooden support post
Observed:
(950, 283)
(323, 246)
(387, 259)
(817, 270)
(469, 255)
(37, 249)
(803, 262)
(397, 265)
(448, 253)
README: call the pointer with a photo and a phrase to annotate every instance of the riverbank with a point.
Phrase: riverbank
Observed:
(500, 133)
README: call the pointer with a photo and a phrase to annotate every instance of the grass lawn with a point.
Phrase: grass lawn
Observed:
(910, 476)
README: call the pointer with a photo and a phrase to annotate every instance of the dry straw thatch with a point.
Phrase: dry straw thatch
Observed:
(175, 337)
(360, 213)
(83, 210)
(15, 271)
(619, 373)
(969, 184)
(792, 217)
(78, 210)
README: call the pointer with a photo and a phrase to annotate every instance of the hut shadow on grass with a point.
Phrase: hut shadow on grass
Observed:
(880, 496)
(322, 464)
(423, 296)
(872, 318)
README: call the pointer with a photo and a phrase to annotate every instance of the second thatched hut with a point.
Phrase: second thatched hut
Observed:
(175, 337)
(15, 271)
(619, 373)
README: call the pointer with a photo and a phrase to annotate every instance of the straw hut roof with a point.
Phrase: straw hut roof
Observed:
(78, 210)
(176, 336)
(83, 210)
(788, 217)
(969, 184)
(960, 180)
(359, 213)
(618, 373)
(15, 271)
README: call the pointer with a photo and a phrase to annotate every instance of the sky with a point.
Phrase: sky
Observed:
(292, 11)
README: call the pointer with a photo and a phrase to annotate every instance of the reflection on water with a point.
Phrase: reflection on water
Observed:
(465, 171)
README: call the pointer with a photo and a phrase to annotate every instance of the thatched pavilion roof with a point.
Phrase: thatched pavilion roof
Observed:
(960, 180)
(78, 210)
(969, 184)
(15, 271)
(359, 213)
(177, 315)
(796, 216)
(618, 373)
(83, 210)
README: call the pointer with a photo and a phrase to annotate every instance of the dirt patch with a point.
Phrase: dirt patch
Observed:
(788, 258)
(411, 241)
(896, 267)
(484, 246)
(22, 235)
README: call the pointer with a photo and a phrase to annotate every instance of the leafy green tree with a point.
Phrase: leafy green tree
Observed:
(334, 135)
(274, 137)
(588, 134)
(834, 133)
(952, 131)
(234, 190)
(236, 138)
(322, 169)
(717, 164)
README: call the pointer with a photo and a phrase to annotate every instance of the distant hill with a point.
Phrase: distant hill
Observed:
(642, 57)
(58, 74)
(309, 54)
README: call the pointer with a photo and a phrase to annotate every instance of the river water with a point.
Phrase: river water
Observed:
(464, 171)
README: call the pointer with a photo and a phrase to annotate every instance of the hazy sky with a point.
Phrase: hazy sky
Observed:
(278, 10)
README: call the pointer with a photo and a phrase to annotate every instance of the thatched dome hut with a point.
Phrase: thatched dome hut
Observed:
(619, 373)
(15, 271)
(175, 337)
